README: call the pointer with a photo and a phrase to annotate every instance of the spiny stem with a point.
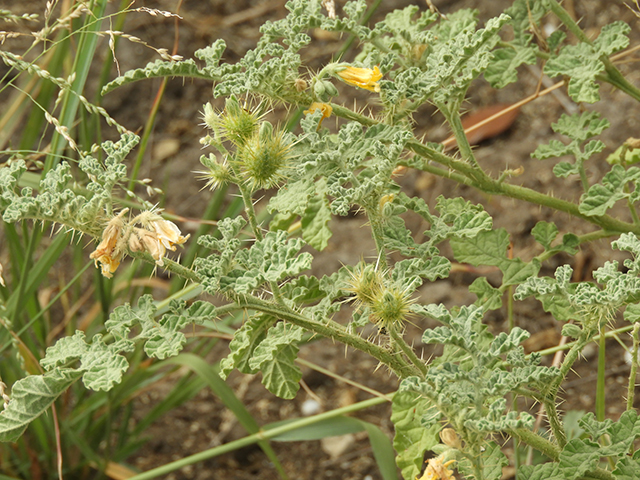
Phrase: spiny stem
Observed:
(330, 330)
(408, 351)
(614, 77)
(465, 173)
(257, 231)
(378, 238)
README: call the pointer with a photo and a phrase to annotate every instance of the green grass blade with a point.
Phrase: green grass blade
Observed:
(224, 392)
(383, 451)
(38, 271)
(331, 427)
(268, 433)
(87, 43)
(380, 443)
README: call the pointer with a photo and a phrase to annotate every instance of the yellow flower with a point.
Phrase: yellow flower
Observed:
(362, 77)
(325, 108)
(436, 470)
(109, 252)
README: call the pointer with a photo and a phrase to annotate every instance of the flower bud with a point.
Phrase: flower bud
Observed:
(324, 90)
(390, 307)
(450, 438)
(571, 330)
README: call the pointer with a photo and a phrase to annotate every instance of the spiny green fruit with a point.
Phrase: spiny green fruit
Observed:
(265, 157)
(390, 308)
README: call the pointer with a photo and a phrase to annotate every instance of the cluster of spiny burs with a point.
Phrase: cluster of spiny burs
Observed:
(260, 155)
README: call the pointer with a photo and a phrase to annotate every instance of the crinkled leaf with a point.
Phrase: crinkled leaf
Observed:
(294, 198)
(632, 313)
(492, 460)
(508, 341)
(245, 340)
(578, 457)
(281, 376)
(65, 350)
(161, 68)
(545, 471)
(302, 289)
(582, 64)
(555, 148)
(564, 169)
(622, 433)
(627, 469)
(275, 357)
(30, 397)
(103, 367)
(271, 259)
(490, 248)
(165, 338)
(503, 70)
(412, 439)
(315, 223)
(612, 38)
(545, 233)
(200, 311)
(581, 126)
(601, 197)
(488, 297)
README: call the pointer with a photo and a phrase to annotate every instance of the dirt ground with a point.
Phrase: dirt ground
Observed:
(203, 422)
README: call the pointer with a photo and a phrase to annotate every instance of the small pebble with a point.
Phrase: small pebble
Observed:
(310, 407)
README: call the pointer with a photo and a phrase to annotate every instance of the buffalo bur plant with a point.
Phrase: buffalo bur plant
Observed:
(460, 404)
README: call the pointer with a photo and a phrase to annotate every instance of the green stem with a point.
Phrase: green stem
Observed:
(253, 222)
(583, 177)
(554, 421)
(550, 399)
(634, 368)
(378, 238)
(632, 208)
(552, 451)
(614, 77)
(453, 117)
(534, 440)
(408, 351)
(330, 330)
(250, 211)
(251, 439)
(570, 345)
(466, 174)
(488, 185)
(600, 393)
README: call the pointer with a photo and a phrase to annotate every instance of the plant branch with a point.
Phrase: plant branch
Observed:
(613, 75)
(408, 351)
(466, 174)
(330, 330)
